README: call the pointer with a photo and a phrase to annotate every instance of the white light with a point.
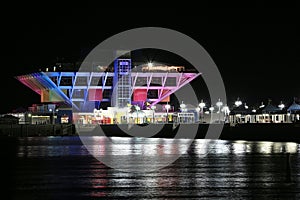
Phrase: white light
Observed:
(262, 105)
(197, 109)
(50, 110)
(219, 103)
(206, 112)
(225, 109)
(281, 105)
(167, 106)
(182, 105)
(254, 110)
(202, 105)
(211, 108)
(29, 114)
(150, 64)
(246, 106)
(153, 107)
(238, 103)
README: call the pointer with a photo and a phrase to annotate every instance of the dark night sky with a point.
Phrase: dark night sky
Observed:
(257, 52)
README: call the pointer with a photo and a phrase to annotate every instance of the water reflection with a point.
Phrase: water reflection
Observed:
(62, 168)
(72, 146)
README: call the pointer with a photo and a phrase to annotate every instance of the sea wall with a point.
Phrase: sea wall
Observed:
(283, 132)
(23, 130)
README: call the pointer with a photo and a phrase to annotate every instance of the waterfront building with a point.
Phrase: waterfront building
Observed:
(118, 86)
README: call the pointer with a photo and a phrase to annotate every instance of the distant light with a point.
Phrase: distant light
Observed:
(206, 112)
(182, 105)
(219, 103)
(29, 114)
(167, 106)
(262, 105)
(226, 110)
(281, 105)
(50, 110)
(201, 104)
(246, 106)
(254, 110)
(238, 102)
(211, 108)
(197, 109)
(150, 64)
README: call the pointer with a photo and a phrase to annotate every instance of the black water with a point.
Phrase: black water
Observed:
(63, 168)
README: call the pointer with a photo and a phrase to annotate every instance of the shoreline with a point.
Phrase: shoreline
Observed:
(281, 132)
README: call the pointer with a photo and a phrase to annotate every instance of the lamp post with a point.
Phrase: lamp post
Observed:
(29, 118)
(219, 104)
(281, 105)
(182, 107)
(226, 111)
(52, 110)
(167, 108)
(137, 108)
(198, 112)
(201, 105)
(153, 109)
(53, 114)
(211, 109)
(238, 102)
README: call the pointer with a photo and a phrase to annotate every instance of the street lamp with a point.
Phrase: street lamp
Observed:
(201, 105)
(219, 104)
(226, 111)
(198, 111)
(153, 109)
(53, 114)
(167, 107)
(29, 118)
(281, 105)
(182, 107)
(52, 110)
(246, 107)
(150, 64)
(262, 105)
(238, 102)
(137, 108)
(211, 109)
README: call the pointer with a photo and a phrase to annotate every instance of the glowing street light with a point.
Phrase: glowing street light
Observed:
(153, 109)
(211, 109)
(262, 105)
(167, 107)
(281, 105)
(246, 107)
(219, 104)
(137, 108)
(238, 102)
(198, 112)
(182, 107)
(52, 110)
(226, 111)
(150, 64)
(201, 105)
